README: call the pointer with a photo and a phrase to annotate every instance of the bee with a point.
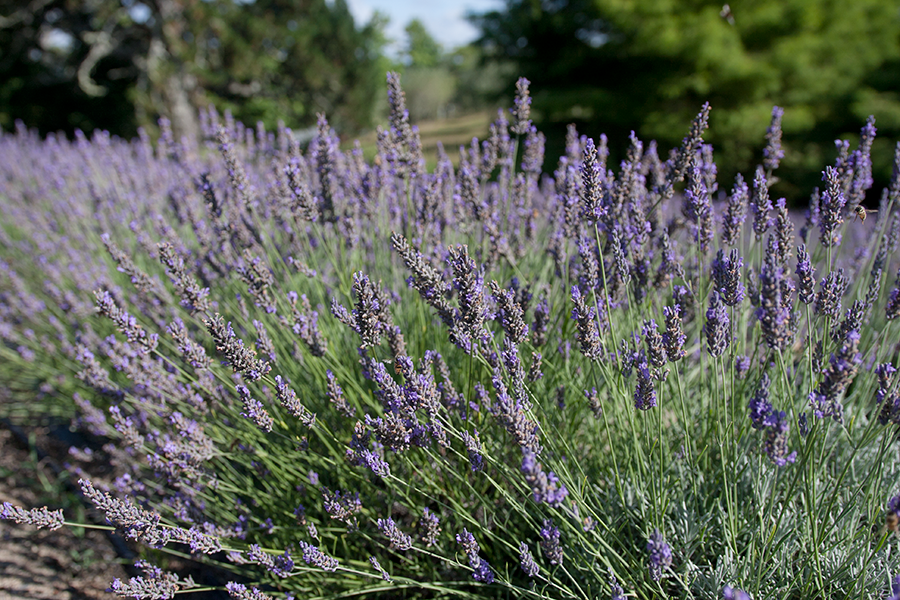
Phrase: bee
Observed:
(727, 14)
(861, 212)
(891, 521)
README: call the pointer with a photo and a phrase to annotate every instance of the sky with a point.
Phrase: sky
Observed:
(444, 19)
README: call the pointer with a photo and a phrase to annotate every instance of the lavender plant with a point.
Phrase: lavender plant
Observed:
(332, 377)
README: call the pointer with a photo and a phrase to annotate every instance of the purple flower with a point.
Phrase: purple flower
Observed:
(806, 276)
(615, 590)
(660, 555)
(398, 539)
(482, 570)
(377, 566)
(521, 112)
(254, 410)
(760, 407)
(588, 334)
(674, 338)
(545, 486)
(550, 544)
(341, 505)
(526, 560)
(736, 212)
(831, 208)
(429, 527)
(842, 366)
(741, 366)
(716, 327)
(39, 517)
(727, 275)
(775, 445)
(314, 556)
(239, 591)
(761, 204)
(728, 593)
(773, 153)
(644, 393)
(473, 448)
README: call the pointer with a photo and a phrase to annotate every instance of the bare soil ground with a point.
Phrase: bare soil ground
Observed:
(40, 564)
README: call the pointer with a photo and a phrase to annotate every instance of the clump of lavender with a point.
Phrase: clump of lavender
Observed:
(777, 429)
(656, 350)
(126, 323)
(335, 396)
(239, 591)
(401, 142)
(832, 289)
(342, 506)
(377, 566)
(155, 584)
(892, 309)
(468, 281)
(775, 300)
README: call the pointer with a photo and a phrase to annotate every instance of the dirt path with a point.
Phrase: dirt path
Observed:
(47, 565)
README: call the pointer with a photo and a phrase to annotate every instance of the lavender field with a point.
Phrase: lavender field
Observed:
(327, 378)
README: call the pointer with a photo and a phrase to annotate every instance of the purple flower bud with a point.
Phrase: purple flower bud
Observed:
(660, 555)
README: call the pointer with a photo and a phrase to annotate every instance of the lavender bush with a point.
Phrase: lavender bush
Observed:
(334, 377)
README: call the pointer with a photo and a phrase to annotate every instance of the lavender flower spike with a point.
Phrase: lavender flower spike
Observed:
(550, 544)
(398, 539)
(39, 517)
(773, 153)
(239, 591)
(254, 410)
(716, 327)
(526, 560)
(660, 555)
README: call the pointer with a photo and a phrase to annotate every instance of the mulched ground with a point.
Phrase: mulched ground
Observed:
(47, 565)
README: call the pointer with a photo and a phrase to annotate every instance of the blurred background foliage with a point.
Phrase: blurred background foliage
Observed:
(609, 66)
(612, 66)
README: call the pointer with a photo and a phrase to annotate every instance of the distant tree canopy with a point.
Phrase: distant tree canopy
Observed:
(118, 64)
(440, 83)
(611, 66)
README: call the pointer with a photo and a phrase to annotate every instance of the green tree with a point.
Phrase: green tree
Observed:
(422, 50)
(615, 65)
(118, 64)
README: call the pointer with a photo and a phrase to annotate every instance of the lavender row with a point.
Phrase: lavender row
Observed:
(330, 375)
